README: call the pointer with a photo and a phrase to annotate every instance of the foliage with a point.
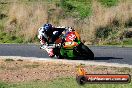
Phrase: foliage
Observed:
(3, 85)
(8, 60)
(91, 17)
(127, 41)
(109, 3)
(8, 38)
(103, 32)
(79, 8)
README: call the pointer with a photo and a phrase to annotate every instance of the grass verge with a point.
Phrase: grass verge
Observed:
(63, 83)
(33, 74)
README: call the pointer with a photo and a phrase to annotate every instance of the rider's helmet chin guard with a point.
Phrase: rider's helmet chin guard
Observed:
(47, 27)
(70, 29)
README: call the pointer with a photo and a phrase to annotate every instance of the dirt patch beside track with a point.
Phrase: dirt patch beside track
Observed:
(25, 70)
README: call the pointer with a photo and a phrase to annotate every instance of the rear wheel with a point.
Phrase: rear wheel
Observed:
(60, 57)
(57, 53)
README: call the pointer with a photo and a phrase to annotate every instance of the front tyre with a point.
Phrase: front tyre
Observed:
(87, 52)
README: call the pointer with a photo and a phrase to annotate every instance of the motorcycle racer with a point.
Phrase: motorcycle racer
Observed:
(48, 34)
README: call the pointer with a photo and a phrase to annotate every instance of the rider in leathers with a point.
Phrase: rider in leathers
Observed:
(48, 35)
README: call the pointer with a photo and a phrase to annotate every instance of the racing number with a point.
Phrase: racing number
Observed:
(71, 37)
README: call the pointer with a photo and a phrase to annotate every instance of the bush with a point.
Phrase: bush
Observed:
(109, 3)
(128, 23)
(79, 8)
(84, 10)
(127, 41)
(103, 32)
(6, 60)
(67, 5)
(7, 38)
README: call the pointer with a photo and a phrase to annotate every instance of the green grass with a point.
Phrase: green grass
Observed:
(83, 8)
(3, 85)
(79, 9)
(62, 83)
(9, 37)
(109, 3)
(127, 41)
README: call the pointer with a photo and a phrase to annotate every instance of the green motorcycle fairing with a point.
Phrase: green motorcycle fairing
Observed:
(68, 52)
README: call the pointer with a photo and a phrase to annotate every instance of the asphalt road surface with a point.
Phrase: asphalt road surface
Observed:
(102, 54)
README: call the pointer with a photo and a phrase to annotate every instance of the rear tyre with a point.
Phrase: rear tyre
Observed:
(57, 53)
(60, 57)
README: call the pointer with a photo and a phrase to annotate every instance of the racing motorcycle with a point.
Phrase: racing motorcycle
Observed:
(70, 47)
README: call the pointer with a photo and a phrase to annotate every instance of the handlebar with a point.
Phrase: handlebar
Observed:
(51, 46)
(55, 45)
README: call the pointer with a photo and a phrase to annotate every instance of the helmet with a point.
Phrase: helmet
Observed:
(47, 27)
(70, 29)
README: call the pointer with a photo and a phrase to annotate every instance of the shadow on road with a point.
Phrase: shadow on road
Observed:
(96, 58)
(105, 58)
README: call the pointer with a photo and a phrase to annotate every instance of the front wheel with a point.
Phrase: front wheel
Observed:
(87, 52)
